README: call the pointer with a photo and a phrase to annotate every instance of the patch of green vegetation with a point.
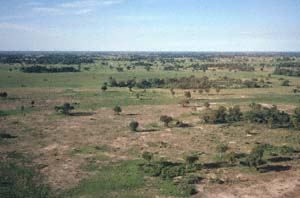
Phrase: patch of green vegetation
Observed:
(121, 178)
(18, 111)
(168, 188)
(18, 182)
(91, 149)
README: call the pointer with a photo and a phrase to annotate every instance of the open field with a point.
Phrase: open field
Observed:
(93, 153)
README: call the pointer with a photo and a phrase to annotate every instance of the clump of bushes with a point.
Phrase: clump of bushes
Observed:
(272, 116)
(222, 115)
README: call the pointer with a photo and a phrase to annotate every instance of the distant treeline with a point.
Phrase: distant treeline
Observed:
(287, 72)
(66, 59)
(40, 69)
(230, 66)
(191, 82)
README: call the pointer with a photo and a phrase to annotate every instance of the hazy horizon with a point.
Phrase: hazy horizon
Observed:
(150, 25)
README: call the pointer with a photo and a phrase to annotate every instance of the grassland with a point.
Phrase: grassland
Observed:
(94, 154)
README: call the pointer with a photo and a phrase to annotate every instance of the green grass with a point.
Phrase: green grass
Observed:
(18, 182)
(16, 112)
(121, 178)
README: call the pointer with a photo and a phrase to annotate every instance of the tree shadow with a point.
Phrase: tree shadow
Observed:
(275, 168)
(213, 165)
(147, 130)
(280, 159)
(240, 155)
(131, 114)
(81, 113)
(7, 136)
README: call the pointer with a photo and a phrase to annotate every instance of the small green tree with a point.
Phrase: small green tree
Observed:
(117, 109)
(133, 126)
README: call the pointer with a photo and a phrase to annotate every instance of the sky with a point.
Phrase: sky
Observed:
(150, 25)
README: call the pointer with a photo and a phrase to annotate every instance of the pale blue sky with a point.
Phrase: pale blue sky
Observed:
(150, 25)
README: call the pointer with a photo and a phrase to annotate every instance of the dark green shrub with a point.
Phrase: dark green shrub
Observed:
(64, 109)
(133, 126)
(3, 94)
(234, 114)
(104, 87)
(191, 159)
(187, 189)
(254, 159)
(147, 156)
(187, 94)
(285, 83)
(207, 104)
(296, 118)
(169, 172)
(117, 109)
(166, 120)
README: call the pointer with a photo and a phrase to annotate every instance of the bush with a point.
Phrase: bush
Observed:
(147, 156)
(64, 109)
(104, 87)
(166, 120)
(207, 104)
(187, 189)
(296, 118)
(285, 83)
(191, 159)
(117, 109)
(254, 159)
(187, 94)
(133, 126)
(234, 114)
(170, 172)
(216, 116)
(3, 94)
